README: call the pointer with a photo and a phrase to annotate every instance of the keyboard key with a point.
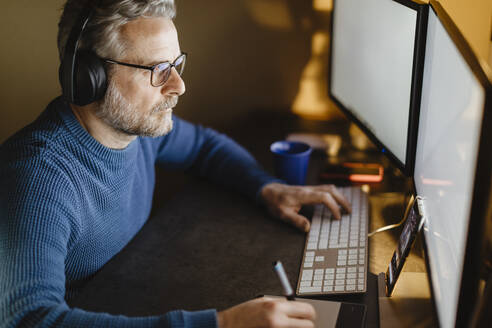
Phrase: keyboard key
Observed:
(318, 277)
(352, 257)
(341, 263)
(352, 269)
(360, 287)
(308, 264)
(319, 271)
(317, 283)
(361, 281)
(341, 270)
(361, 261)
(342, 257)
(319, 259)
(330, 276)
(339, 288)
(307, 275)
(310, 254)
(351, 275)
(342, 252)
(340, 282)
(340, 276)
(350, 287)
(350, 281)
(312, 246)
(362, 269)
(305, 283)
(329, 282)
(361, 275)
(330, 270)
(328, 289)
(352, 251)
(352, 262)
(303, 290)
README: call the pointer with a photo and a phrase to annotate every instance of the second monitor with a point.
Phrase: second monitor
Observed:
(376, 59)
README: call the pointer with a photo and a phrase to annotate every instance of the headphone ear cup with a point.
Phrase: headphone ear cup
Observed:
(90, 78)
(65, 78)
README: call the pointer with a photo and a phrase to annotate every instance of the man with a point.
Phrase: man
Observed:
(77, 183)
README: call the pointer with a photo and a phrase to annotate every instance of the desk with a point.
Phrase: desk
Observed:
(205, 247)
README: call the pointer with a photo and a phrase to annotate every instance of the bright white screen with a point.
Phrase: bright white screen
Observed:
(372, 60)
(450, 122)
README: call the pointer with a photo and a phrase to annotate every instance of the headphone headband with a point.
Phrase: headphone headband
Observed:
(82, 74)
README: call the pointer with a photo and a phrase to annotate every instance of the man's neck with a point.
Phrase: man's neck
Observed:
(100, 130)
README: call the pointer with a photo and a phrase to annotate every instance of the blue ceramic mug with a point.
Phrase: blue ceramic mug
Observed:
(291, 160)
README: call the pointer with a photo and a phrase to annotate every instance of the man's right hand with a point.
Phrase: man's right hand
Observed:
(268, 313)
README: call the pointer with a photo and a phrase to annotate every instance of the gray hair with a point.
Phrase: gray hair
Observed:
(102, 33)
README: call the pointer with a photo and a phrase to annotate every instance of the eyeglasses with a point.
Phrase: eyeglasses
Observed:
(160, 72)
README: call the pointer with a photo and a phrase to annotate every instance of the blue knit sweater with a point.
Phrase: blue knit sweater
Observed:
(69, 204)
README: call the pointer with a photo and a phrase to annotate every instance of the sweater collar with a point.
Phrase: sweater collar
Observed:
(116, 156)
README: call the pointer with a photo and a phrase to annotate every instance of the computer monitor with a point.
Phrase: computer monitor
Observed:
(376, 58)
(453, 167)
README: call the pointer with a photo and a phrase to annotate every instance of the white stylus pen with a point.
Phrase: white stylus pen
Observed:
(279, 269)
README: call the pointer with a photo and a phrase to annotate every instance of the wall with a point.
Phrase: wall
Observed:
(474, 19)
(243, 54)
(28, 60)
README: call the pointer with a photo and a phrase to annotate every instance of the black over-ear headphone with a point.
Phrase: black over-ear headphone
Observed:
(82, 73)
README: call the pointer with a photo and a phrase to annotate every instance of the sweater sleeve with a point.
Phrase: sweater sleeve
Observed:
(212, 155)
(38, 226)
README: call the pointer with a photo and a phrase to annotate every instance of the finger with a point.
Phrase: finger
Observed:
(339, 197)
(300, 323)
(327, 199)
(294, 218)
(299, 310)
(333, 206)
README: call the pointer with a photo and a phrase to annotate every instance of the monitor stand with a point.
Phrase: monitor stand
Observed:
(483, 315)
(410, 304)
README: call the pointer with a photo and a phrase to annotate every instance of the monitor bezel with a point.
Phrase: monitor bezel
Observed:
(415, 93)
(475, 239)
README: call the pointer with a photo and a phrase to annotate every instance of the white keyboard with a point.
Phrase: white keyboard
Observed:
(335, 254)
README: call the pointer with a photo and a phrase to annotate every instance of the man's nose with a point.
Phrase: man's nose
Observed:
(174, 85)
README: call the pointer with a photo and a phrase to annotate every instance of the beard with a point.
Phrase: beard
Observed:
(125, 117)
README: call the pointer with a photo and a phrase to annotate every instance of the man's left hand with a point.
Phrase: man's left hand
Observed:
(285, 201)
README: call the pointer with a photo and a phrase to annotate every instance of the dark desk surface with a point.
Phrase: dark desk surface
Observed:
(205, 247)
